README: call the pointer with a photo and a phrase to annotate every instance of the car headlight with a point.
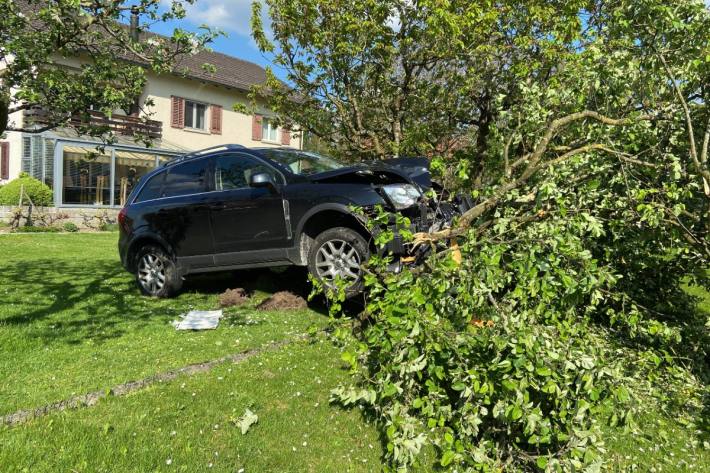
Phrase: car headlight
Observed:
(402, 195)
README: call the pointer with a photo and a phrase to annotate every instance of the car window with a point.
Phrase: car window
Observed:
(302, 162)
(151, 189)
(233, 171)
(186, 178)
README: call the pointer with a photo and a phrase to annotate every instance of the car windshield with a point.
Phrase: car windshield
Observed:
(302, 162)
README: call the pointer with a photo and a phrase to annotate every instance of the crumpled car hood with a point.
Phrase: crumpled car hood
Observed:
(389, 171)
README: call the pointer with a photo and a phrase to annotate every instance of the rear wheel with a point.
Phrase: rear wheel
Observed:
(338, 254)
(156, 273)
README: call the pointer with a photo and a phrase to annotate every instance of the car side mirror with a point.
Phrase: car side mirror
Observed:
(263, 179)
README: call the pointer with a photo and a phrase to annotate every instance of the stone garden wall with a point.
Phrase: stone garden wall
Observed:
(85, 218)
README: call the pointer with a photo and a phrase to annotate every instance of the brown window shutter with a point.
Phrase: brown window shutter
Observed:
(216, 119)
(4, 160)
(256, 128)
(177, 112)
(285, 136)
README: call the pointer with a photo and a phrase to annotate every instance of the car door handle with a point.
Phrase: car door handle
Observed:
(219, 206)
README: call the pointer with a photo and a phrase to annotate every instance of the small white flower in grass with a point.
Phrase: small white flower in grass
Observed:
(169, 461)
(241, 470)
(305, 444)
(173, 433)
(209, 465)
(293, 448)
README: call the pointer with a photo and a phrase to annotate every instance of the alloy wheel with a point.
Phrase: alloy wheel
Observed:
(337, 259)
(151, 273)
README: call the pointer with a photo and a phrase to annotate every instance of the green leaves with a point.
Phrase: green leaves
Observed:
(101, 66)
(598, 222)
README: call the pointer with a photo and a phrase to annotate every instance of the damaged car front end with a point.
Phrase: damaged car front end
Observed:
(406, 190)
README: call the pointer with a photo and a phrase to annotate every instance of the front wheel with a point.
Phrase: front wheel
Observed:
(338, 254)
(156, 273)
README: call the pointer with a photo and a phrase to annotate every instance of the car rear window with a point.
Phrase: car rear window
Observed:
(151, 189)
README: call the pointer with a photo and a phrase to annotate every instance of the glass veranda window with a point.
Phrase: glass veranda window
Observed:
(86, 177)
(130, 167)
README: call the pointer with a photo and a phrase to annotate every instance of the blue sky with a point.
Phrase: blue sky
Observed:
(232, 17)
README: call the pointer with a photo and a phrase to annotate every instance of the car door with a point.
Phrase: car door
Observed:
(182, 216)
(248, 223)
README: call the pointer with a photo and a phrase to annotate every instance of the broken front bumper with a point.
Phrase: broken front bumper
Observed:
(429, 216)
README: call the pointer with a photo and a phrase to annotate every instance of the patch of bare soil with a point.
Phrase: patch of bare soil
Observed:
(233, 297)
(283, 300)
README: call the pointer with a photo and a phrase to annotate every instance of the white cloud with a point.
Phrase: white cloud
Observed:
(232, 16)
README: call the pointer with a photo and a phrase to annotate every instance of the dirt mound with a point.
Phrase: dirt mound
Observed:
(283, 300)
(233, 297)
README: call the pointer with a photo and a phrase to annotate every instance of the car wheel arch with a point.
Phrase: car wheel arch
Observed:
(323, 217)
(142, 240)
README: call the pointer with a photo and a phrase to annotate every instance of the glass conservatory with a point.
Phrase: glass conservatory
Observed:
(83, 174)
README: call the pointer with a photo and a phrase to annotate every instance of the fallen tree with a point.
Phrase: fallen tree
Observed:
(580, 129)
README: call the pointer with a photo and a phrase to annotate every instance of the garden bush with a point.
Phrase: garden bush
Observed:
(40, 193)
(70, 227)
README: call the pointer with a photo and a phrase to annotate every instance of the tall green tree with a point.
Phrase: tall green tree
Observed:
(38, 37)
(581, 130)
(507, 87)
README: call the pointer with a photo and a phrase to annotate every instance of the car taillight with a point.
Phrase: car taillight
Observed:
(123, 220)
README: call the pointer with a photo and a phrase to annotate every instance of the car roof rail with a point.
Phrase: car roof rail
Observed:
(202, 152)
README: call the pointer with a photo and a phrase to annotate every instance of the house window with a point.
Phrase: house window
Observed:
(195, 115)
(269, 131)
(38, 158)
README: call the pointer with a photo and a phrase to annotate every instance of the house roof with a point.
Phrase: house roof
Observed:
(229, 71)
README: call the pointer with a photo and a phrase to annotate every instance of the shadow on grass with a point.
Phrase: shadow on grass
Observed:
(686, 310)
(72, 301)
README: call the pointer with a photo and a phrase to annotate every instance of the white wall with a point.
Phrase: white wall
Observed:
(15, 140)
(236, 127)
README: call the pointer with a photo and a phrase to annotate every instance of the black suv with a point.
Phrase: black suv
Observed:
(232, 207)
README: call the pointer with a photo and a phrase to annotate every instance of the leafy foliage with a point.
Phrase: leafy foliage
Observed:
(581, 129)
(107, 62)
(70, 227)
(37, 191)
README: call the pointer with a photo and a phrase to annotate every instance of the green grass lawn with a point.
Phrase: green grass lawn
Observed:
(72, 321)
(188, 424)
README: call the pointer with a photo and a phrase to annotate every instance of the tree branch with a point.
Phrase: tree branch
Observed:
(534, 165)
(705, 173)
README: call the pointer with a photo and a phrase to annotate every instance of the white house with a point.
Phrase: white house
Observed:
(191, 110)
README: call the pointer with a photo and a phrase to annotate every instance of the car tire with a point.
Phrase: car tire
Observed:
(156, 273)
(339, 252)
